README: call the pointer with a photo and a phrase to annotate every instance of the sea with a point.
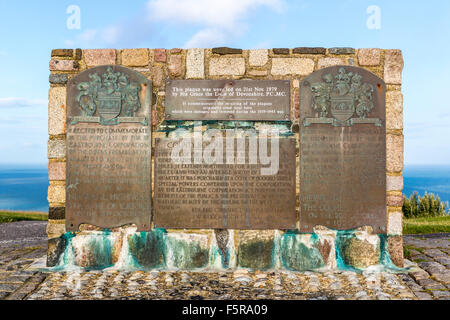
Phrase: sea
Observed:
(430, 179)
(24, 188)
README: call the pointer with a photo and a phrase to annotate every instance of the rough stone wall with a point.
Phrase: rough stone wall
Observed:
(160, 65)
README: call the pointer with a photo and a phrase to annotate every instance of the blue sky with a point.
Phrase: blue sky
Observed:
(30, 29)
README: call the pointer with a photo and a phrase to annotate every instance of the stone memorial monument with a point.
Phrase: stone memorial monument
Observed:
(225, 158)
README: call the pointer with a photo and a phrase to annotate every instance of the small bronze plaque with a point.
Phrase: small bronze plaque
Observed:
(343, 150)
(266, 100)
(108, 181)
(233, 195)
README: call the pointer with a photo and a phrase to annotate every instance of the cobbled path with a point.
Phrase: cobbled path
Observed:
(430, 254)
(428, 279)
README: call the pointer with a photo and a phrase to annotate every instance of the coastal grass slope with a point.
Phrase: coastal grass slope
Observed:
(426, 225)
(14, 216)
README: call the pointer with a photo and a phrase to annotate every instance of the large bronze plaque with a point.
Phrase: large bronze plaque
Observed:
(267, 100)
(342, 150)
(108, 181)
(220, 196)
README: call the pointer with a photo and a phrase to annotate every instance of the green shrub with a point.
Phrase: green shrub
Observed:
(427, 206)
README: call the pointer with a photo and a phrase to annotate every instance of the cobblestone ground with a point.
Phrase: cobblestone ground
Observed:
(16, 282)
(21, 243)
(430, 254)
(221, 286)
(428, 279)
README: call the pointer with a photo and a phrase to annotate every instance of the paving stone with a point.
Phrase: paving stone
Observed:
(420, 258)
(441, 294)
(335, 286)
(243, 279)
(423, 295)
(419, 274)
(9, 287)
(445, 261)
(430, 284)
(4, 294)
(410, 282)
(414, 253)
(434, 253)
(16, 279)
(18, 295)
(432, 267)
(443, 277)
(383, 296)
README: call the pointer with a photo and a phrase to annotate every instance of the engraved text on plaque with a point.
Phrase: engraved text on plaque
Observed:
(342, 150)
(108, 149)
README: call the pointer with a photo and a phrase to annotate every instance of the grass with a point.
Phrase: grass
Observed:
(426, 225)
(14, 216)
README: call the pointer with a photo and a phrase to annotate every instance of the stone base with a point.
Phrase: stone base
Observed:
(223, 249)
(395, 248)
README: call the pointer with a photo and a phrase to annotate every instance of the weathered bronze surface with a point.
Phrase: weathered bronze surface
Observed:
(267, 100)
(221, 196)
(108, 181)
(342, 150)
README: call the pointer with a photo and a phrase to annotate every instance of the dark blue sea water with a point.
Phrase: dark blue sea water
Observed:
(25, 187)
(431, 179)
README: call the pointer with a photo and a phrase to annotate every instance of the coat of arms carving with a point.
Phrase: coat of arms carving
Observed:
(112, 96)
(342, 96)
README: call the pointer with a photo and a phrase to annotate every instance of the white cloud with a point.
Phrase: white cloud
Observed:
(23, 126)
(13, 102)
(221, 21)
(206, 38)
(88, 35)
(217, 21)
(111, 34)
(217, 13)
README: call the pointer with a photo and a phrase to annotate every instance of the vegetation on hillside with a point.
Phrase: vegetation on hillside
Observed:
(13, 216)
(421, 207)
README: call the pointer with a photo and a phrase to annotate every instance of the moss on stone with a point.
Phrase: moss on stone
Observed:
(187, 255)
(295, 255)
(256, 254)
(147, 248)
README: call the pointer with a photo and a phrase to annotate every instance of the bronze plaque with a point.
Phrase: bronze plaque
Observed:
(266, 100)
(343, 150)
(108, 181)
(234, 194)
